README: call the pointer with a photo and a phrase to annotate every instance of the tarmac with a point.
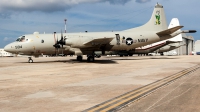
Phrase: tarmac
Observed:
(64, 84)
(180, 96)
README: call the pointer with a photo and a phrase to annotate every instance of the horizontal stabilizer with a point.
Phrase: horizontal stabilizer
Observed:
(99, 41)
(169, 31)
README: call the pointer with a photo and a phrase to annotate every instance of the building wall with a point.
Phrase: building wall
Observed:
(197, 46)
(4, 53)
(187, 47)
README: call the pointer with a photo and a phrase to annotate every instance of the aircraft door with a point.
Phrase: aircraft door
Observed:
(118, 39)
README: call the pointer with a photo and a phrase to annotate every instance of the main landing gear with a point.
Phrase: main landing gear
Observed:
(30, 60)
(79, 58)
(90, 58)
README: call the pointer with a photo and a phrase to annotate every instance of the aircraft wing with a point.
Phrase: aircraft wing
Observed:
(153, 48)
(99, 41)
(169, 31)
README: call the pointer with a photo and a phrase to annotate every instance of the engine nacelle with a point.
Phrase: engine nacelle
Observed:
(68, 42)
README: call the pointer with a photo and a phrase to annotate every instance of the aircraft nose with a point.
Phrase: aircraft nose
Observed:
(8, 48)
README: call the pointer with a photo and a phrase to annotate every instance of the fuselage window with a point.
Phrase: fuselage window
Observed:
(123, 40)
(42, 41)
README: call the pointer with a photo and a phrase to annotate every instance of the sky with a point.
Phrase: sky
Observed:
(19, 17)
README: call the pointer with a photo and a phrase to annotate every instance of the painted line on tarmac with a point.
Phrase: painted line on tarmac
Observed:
(134, 95)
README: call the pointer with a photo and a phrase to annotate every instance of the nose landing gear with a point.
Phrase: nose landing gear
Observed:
(30, 60)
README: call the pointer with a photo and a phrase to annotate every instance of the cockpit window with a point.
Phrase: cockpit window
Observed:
(18, 39)
(22, 39)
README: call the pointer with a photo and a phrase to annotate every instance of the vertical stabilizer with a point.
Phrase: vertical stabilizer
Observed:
(175, 22)
(157, 21)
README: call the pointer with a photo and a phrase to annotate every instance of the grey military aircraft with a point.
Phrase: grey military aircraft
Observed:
(89, 42)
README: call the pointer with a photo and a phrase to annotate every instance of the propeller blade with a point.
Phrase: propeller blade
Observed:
(59, 43)
(62, 39)
(55, 41)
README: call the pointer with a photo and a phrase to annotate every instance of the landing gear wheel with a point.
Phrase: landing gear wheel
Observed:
(30, 60)
(79, 58)
(97, 56)
(130, 54)
(90, 59)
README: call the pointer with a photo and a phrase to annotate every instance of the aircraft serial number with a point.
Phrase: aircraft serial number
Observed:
(18, 47)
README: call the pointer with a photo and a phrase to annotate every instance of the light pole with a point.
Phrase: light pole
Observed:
(65, 25)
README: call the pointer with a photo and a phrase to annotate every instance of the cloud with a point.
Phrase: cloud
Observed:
(116, 1)
(47, 5)
(142, 1)
(6, 39)
(9, 39)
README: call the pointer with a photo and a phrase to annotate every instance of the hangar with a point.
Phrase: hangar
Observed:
(186, 46)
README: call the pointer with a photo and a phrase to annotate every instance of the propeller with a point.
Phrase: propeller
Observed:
(59, 43)
(55, 43)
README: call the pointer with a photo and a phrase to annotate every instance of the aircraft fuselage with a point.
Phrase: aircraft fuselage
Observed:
(36, 44)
